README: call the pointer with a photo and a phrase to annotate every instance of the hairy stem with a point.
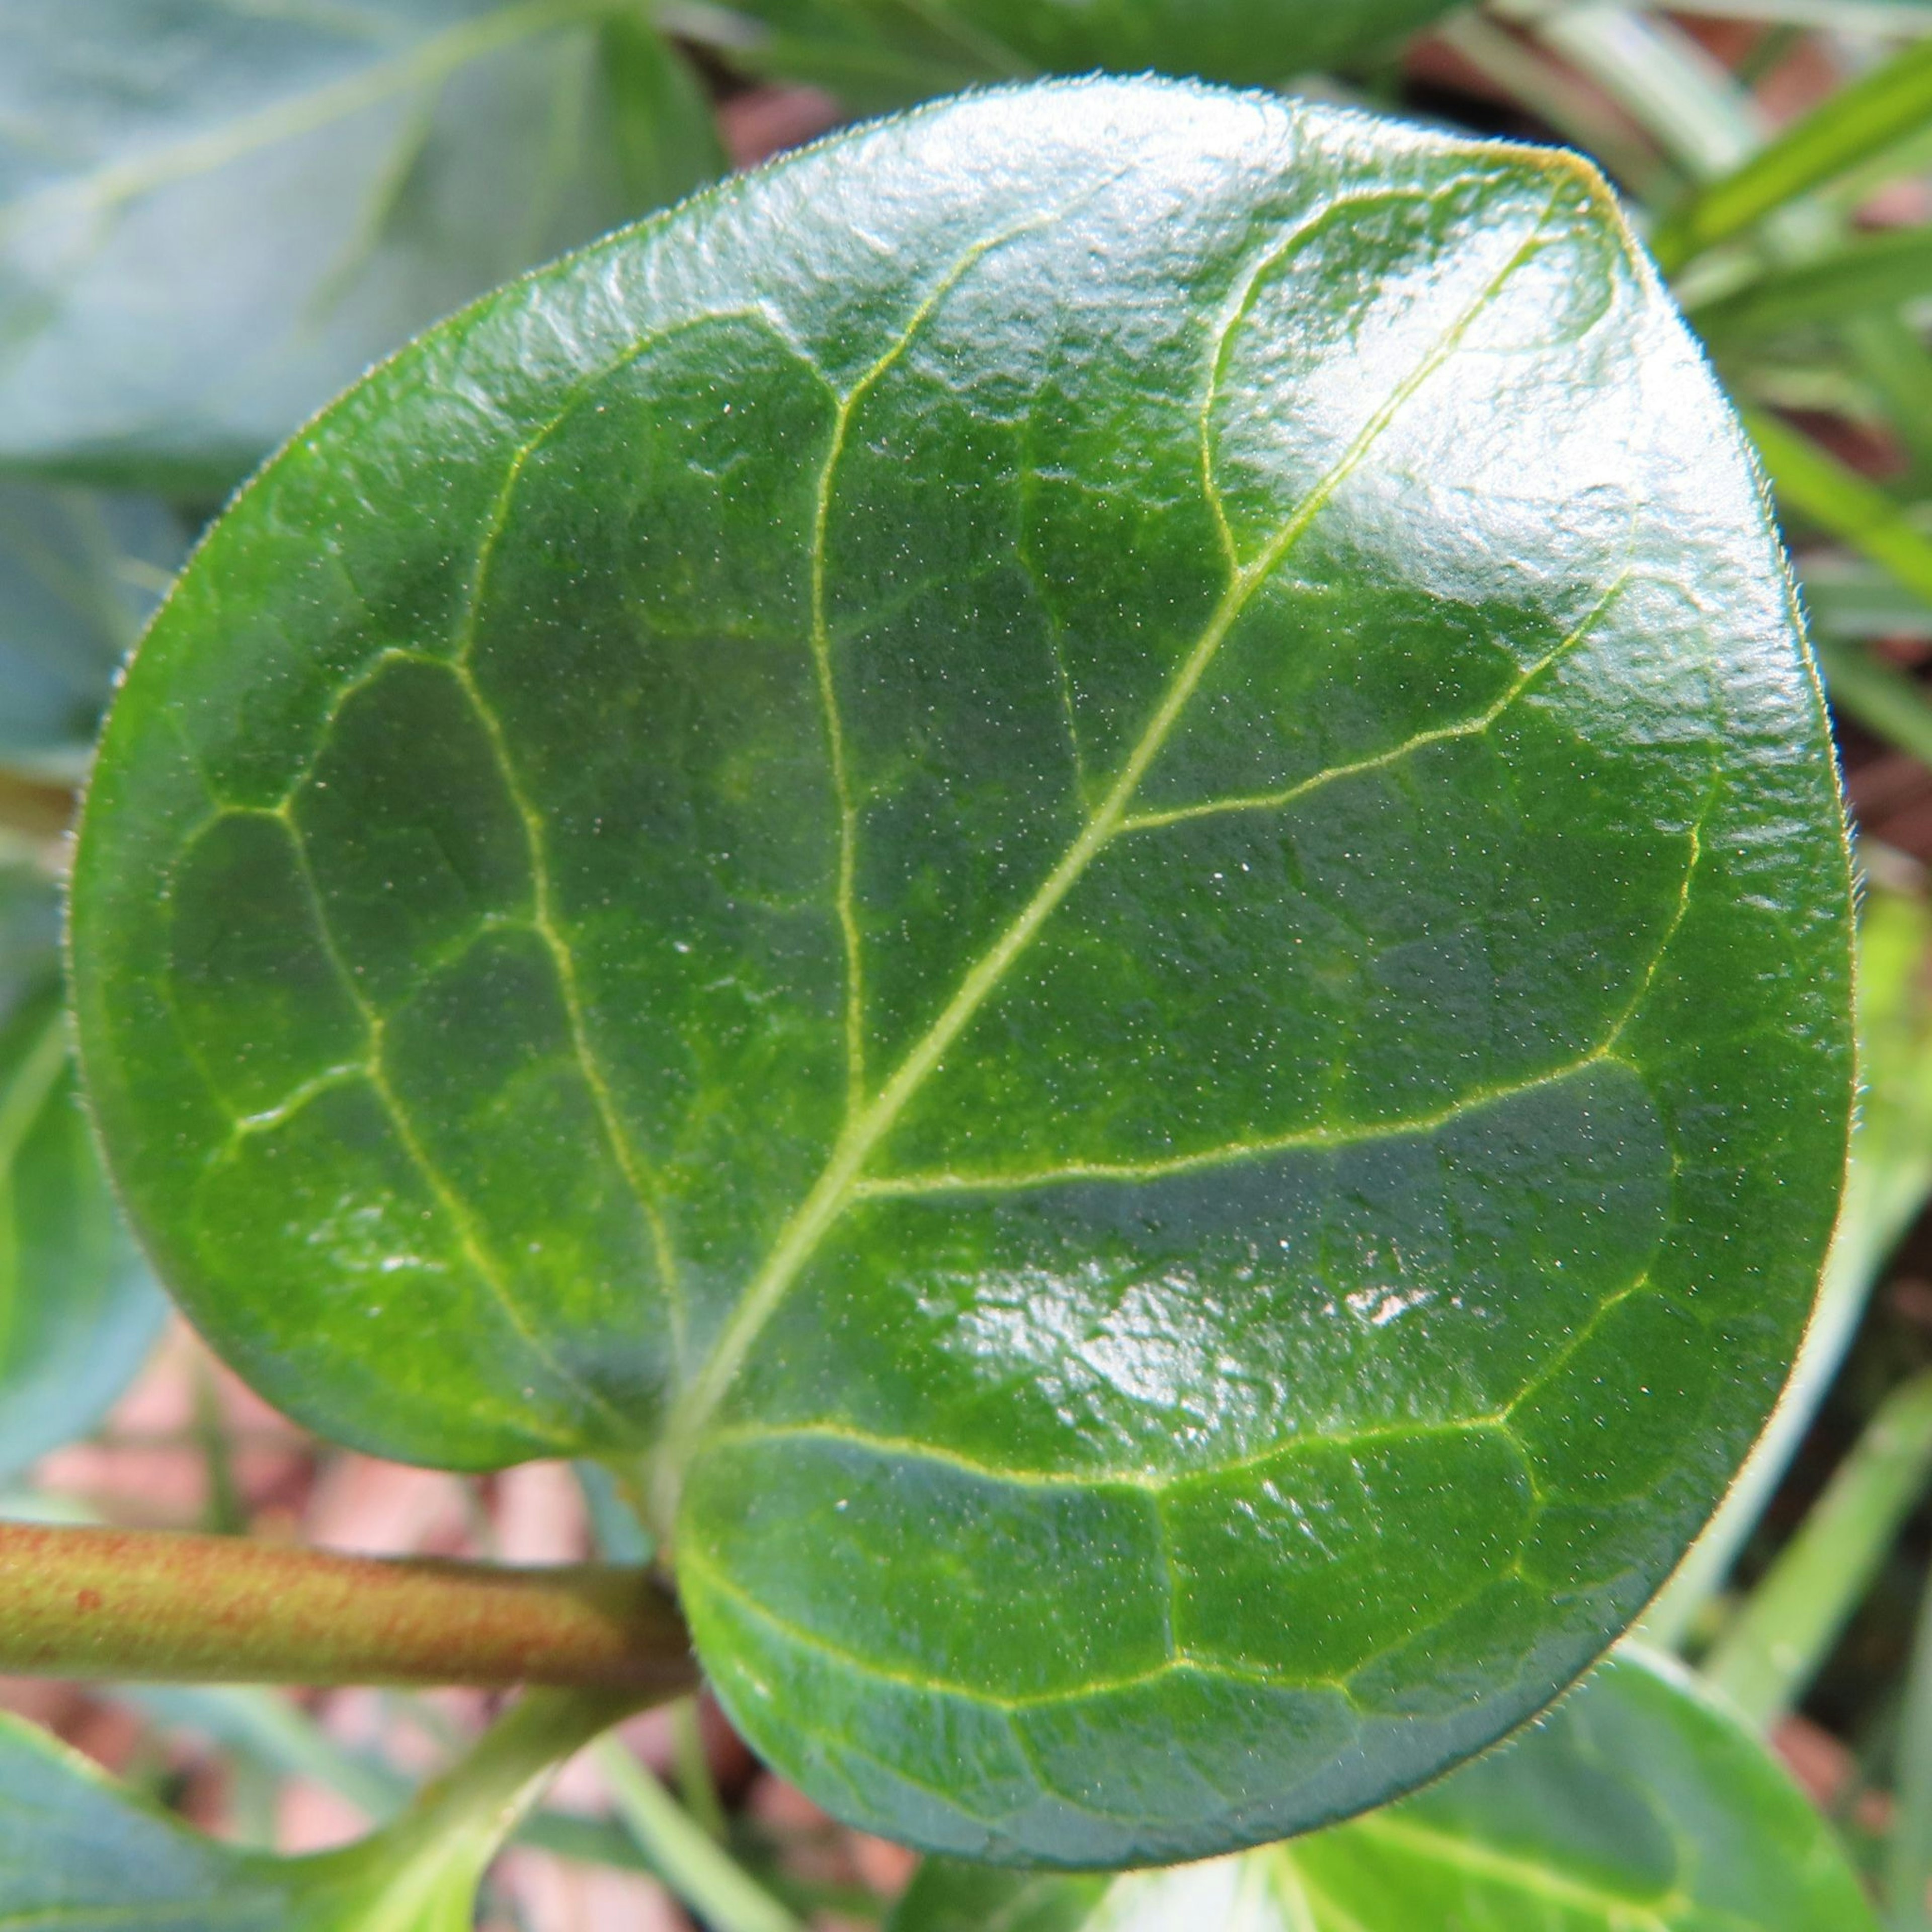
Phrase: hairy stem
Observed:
(161, 1605)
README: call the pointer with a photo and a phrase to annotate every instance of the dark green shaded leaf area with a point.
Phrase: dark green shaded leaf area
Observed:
(214, 214)
(79, 1310)
(1080, 853)
(1640, 1805)
(885, 53)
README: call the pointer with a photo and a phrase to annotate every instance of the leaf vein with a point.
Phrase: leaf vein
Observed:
(828, 1197)
(752, 1436)
(1539, 1882)
(1316, 1140)
(468, 1238)
(1475, 727)
(643, 1184)
(1099, 1687)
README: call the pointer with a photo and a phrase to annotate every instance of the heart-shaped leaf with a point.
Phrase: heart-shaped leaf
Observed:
(1640, 1805)
(1082, 852)
(78, 1311)
(879, 53)
(213, 214)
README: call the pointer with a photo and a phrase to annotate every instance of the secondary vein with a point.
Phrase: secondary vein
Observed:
(829, 1196)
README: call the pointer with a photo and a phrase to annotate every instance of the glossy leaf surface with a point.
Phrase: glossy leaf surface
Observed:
(80, 572)
(883, 52)
(79, 1310)
(1640, 1805)
(212, 214)
(1079, 850)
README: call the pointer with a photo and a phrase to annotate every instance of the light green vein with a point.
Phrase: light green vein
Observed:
(1478, 1861)
(1306, 1140)
(1237, 310)
(757, 1435)
(266, 1119)
(828, 1197)
(1475, 727)
(469, 1234)
(797, 1633)
(917, 1186)
(848, 406)
(637, 1177)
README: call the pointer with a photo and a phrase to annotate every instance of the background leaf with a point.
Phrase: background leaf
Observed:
(212, 215)
(79, 1310)
(884, 53)
(949, 1896)
(1110, 986)
(1640, 1805)
(78, 1850)
(80, 572)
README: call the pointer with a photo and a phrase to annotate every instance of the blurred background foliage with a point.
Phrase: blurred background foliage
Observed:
(215, 213)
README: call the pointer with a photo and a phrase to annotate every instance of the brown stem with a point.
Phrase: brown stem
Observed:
(160, 1604)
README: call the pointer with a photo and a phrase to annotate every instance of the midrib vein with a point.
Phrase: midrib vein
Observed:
(830, 1194)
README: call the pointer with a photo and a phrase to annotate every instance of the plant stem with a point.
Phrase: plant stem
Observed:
(420, 1874)
(695, 1785)
(163, 1605)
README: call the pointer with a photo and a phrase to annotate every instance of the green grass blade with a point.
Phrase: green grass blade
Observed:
(1787, 1627)
(1654, 69)
(1870, 272)
(678, 1849)
(1890, 17)
(1905, 1884)
(1881, 698)
(1854, 125)
(1812, 484)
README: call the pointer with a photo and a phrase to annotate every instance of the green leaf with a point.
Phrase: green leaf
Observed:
(1848, 598)
(77, 1850)
(949, 1896)
(1812, 485)
(879, 53)
(1867, 272)
(80, 572)
(1640, 1805)
(212, 214)
(678, 1849)
(78, 1311)
(1857, 123)
(1080, 852)
(1891, 1176)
